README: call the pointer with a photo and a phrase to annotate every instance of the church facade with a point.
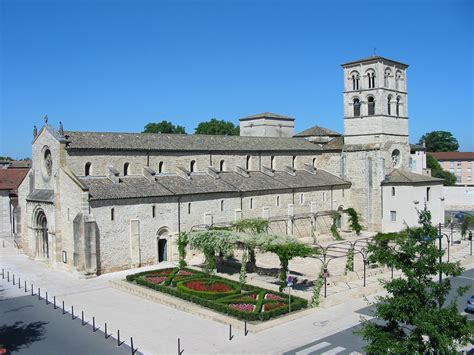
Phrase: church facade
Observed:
(96, 202)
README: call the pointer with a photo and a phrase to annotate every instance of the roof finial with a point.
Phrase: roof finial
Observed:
(46, 119)
(35, 131)
(61, 128)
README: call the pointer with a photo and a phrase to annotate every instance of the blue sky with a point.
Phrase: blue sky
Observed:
(117, 65)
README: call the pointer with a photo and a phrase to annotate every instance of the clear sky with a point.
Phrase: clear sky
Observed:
(116, 65)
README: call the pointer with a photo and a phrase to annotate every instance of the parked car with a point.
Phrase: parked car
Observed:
(470, 304)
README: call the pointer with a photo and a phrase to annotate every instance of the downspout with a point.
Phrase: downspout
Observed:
(179, 214)
(332, 200)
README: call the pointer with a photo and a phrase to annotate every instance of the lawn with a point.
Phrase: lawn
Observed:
(219, 294)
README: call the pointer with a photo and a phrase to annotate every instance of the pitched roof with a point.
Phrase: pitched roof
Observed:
(453, 155)
(183, 142)
(371, 58)
(10, 179)
(267, 115)
(317, 131)
(102, 188)
(398, 176)
(41, 195)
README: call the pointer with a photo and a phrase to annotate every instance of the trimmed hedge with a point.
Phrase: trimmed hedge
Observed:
(220, 304)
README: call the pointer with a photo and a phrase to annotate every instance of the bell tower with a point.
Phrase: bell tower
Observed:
(375, 101)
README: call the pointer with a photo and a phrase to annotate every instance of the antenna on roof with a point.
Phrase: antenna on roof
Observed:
(375, 51)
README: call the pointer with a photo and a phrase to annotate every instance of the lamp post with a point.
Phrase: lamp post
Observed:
(470, 240)
(440, 237)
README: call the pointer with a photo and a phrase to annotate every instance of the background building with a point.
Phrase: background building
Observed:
(457, 163)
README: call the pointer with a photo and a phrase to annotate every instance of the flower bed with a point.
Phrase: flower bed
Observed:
(222, 295)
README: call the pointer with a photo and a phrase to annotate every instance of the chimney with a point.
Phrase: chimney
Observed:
(148, 173)
(113, 174)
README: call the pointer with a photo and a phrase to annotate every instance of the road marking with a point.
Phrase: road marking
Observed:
(334, 351)
(313, 348)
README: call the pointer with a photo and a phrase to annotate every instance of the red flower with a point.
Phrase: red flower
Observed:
(270, 306)
(156, 279)
(200, 285)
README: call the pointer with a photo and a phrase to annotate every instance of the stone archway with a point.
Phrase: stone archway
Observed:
(41, 234)
(162, 244)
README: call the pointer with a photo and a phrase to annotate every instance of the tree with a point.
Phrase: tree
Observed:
(437, 171)
(163, 127)
(415, 317)
(440, 141)
(6, 158)
(219, 127)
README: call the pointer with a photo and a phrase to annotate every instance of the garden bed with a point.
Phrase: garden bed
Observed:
(219, 294)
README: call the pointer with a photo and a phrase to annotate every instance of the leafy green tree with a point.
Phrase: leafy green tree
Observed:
(437, 171)
(6, 158)
(218, 127)
(163, 127)
(415, 317)
(440, 141)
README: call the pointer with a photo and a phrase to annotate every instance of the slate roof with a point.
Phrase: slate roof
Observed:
(304, 179)
(268, 115)
(374, 57)
(41, 195)
(335, 144)
(398, 176)
(10, 179)
(102, 188)
(453, 155)
(317, 131)
(182, 142)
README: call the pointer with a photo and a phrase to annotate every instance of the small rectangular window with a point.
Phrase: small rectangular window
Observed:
(112, 214)
(153, 211)
(301, 199)
(393, 191)
(278, 201)
(251, 203)
(189, 207)
(428, 189)
(393, 216)
(222, 205)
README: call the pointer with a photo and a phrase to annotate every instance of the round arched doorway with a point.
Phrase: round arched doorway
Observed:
(41, 231)
(162, 244)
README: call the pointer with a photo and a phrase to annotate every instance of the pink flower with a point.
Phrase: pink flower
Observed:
(244, 307)
(271, 296)
(156, 279)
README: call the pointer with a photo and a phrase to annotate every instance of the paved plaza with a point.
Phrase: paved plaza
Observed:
(156, 328)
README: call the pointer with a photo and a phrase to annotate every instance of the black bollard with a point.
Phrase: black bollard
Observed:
(179, 347)
(19, 283)
(54, 302)
(63, 308)
(25, 288)
(39, 293)
(3, 273)
(8, 276)
(93, 324)
(230, 332)
(131, 345)
(105, 332)
(13, 278)
(72, 312)
(32, 293)
(245, 329)
(82, 317)
(118, 337)
(47, 297)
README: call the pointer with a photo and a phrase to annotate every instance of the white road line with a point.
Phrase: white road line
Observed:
(313, 348)
(355, 353)
(334, 351)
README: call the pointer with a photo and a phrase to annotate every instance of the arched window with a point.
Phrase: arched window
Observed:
(222, 205)
(189, 207)
(112, 214)
(389, 109)
(222, 165)
(125, 169)
(371, 106)
(398, 78)
(87, 169)
(386, 78)
(356, 104)
(192, 166)
(251, 203)
(247, 162)
(371, 79)
(398, 106)
(393, 191)
(272, 162)
(160, 167)
(355, 81)
(293, 162)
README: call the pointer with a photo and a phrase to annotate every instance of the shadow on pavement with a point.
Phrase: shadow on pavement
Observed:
(19, 335)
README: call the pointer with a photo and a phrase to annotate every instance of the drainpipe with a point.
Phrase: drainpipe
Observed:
(179, 214)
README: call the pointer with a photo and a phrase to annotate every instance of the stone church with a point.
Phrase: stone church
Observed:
(96, 202)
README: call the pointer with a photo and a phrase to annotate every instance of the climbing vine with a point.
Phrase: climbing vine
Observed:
(243, 268)
(318, 284)
(334, 231)
(183, 241)
(350, 261)
(253, 226)
(354, 220)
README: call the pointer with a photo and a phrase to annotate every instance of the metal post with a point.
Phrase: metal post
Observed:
(470, 239)
(13, 278)
(39, 293)
(440, 236)
(131, 345)
(54, 302)
(452, 239)
(245, 329)
(118, 337)
(32, 293)
(289, 299)
(63, 307)
(105, 332)
(230, 332)
(448, 249)
(19, 283)
(72, 312)
(46, 297)
(179, 347)
(325, 283)
(25, 287)
(3, 273)
(82, 317)
(365, 266)
(8, 276)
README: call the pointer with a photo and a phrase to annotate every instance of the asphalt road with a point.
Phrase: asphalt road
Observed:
(346, 342)
(30, 326)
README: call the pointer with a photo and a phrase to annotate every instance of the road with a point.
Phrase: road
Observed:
(30, 326)
(346, 342)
